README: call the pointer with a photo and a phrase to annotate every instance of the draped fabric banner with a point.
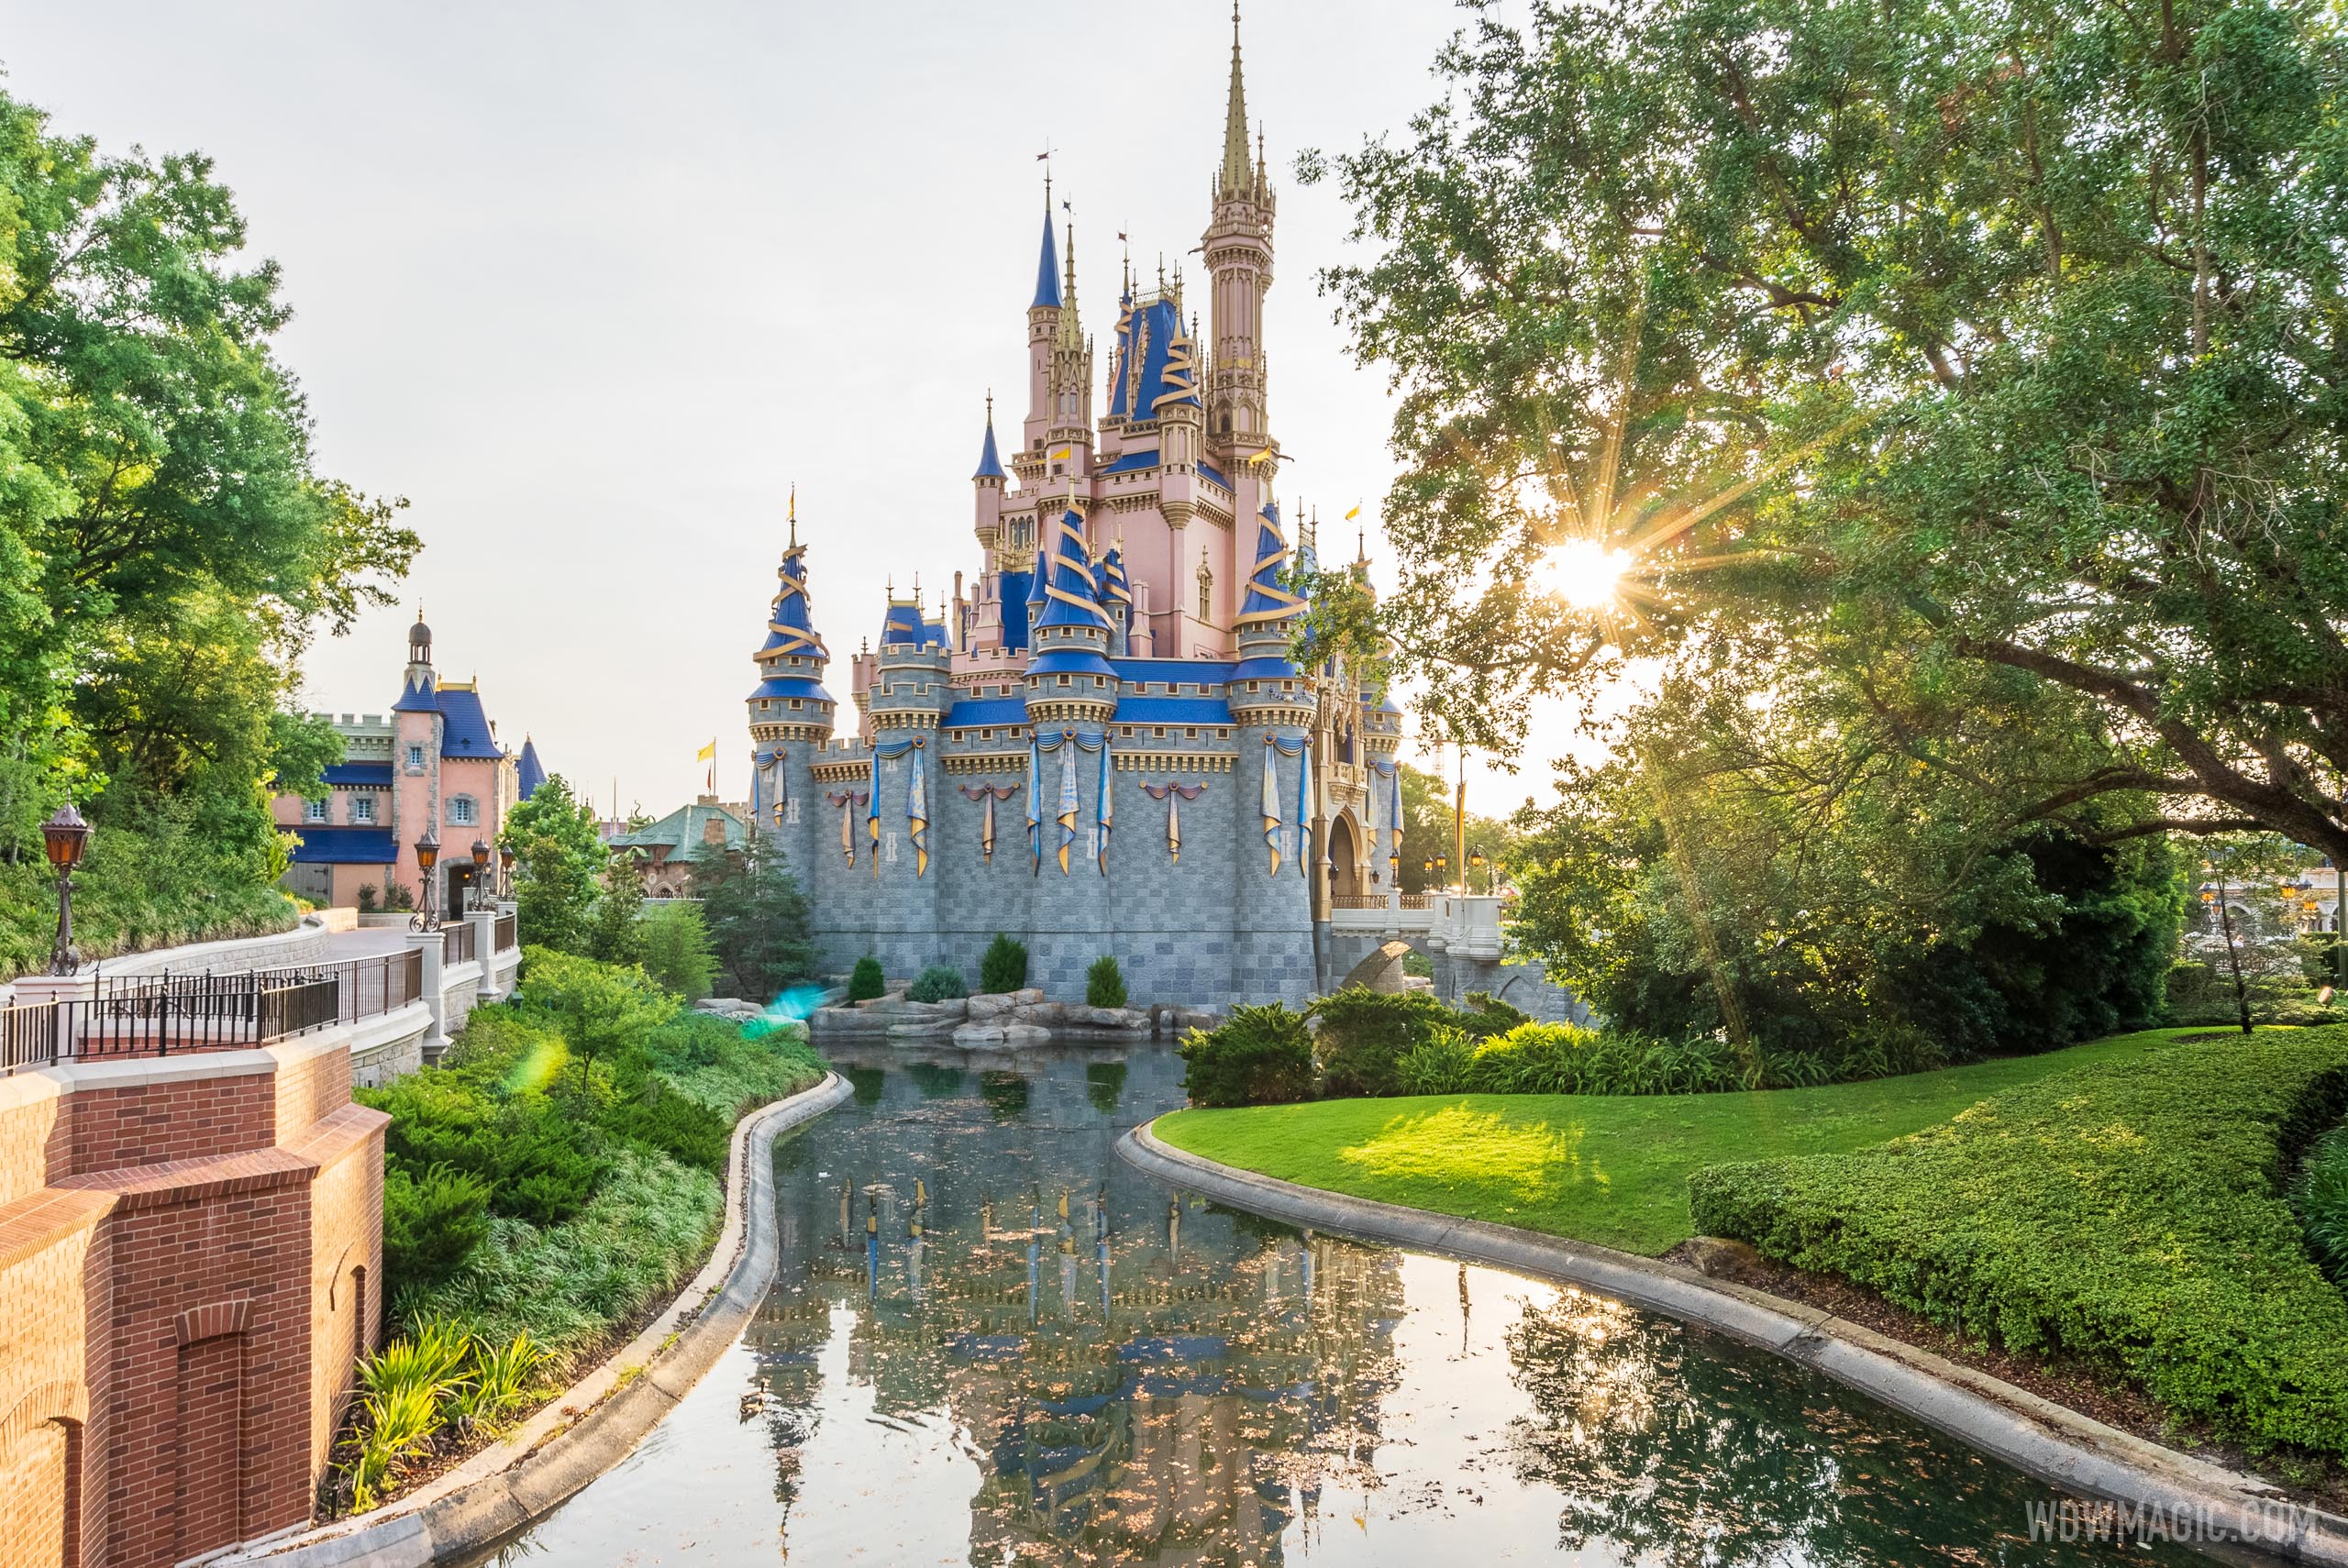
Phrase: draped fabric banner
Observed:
(846, 800)
(1271, 807)
(1066, 815)
(1035, 805)
(872, 799)
(917, 815)
(1388, 781)
(1103, 808)
(987, 794)
(1173, 795)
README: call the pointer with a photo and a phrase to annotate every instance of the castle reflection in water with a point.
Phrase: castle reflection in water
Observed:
(1143, 1379)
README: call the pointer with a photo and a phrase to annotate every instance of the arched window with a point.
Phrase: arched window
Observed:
(1206, 590)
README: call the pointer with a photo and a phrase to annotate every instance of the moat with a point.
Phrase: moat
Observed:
(991, 1342)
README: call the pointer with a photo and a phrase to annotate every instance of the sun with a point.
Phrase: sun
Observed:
(1582, 573)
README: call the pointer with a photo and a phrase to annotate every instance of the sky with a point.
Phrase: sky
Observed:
(592, 286)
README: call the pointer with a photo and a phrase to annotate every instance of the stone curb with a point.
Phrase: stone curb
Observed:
(533, 1470)
(2037, 1437)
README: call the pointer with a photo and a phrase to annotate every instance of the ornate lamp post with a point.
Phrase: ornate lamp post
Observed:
(505, 870)
(65, 836)
(481, 875)
(427, 855)
(1475, 859)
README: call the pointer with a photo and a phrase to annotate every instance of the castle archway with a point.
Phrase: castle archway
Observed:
(1345, 857)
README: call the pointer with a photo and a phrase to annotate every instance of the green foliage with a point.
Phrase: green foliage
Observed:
(714, 1064)
(1364, 1033)
(1004, 967)
(1564, 1058)
(2320, 1195)
(167, 547)
(757, 917)
(1949, 391)
(434, 1379)
(676, 950)
(1484, 1015)
(151, 878)
(2128, 1217)
(432, 1220)
(1440, 1064)
(614, 934)
(558, 861)
(939, 982)
(866, 981)
(1261, 1055)
(600, 1006)
(1104, 983)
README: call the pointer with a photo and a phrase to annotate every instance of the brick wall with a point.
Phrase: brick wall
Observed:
(181, 1299)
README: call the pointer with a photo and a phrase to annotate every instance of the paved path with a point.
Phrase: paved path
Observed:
(366, 943)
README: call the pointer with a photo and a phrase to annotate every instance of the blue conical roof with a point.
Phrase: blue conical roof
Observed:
(989, 461)
(1156, 366)
(1048, 268)
(1114, 590)
(1267, 599)
(1064, 569)
(529, 772)
(790, 628)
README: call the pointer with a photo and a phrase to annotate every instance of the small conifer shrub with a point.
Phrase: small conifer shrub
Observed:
(1104, 983)
(939, 982)
(1004, 968)
(868, 981)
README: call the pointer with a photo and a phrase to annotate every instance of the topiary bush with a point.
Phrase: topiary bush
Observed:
(866, 981)
(1004, 966)
(939, 982)
(1263, 1055)
(1104, 983)
(2127, 1216)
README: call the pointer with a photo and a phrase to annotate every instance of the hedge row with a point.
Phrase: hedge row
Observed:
(2134, 1218)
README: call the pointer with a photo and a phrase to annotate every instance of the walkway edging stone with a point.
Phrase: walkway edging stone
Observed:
(598, 1422)
(2037, 1437)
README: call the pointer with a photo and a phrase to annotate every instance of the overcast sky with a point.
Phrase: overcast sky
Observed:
(593, 285)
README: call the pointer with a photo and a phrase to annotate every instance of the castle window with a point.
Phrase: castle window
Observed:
(313, 810)
(1206, 593)
(1158, 732)
(1125, 731)
(1189, 734)
(1063, 681)
(461, 811)
(796, 701)
(986, 734)
(1223, 735)
(363, 808)
(416, 757)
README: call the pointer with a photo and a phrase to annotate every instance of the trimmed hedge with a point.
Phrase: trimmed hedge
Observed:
(2131, 1217)
(1263, 1055)
(939, 982)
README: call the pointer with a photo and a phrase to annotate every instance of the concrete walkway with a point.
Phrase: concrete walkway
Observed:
(366, 943)
(2188, 1498)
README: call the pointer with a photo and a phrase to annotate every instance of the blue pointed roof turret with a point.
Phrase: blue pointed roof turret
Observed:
(1115, 589)
(1048, 266)
(990, 461)
(529, 772)
(790, 629)
(790, 662)
(1065, 570)
(1268, 601)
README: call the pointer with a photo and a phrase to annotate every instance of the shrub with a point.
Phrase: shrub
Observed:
(670, 1123)
(1363, 1034)
(939, 982)
(2322, 1196)
(2128, 1216)
(1565, 1058)
(1441, 1064)
(431, 1223)
(1104, 983)
(366, 898)
(867, 981)
(675, 944)
(1004, 968)
(1483, 1016)
(1263, 1055)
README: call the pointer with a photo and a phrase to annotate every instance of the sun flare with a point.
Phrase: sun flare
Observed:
(1582, 573)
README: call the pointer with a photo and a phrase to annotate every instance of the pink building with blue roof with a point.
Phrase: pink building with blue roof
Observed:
(433, 764)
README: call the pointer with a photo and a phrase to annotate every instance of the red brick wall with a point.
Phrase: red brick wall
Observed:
(178, 1306)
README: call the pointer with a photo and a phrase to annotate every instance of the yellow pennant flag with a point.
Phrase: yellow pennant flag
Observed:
(1355, 512)
(1062, 455)
(707, 753)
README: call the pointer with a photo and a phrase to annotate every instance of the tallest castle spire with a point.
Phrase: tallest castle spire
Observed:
(1238, 169)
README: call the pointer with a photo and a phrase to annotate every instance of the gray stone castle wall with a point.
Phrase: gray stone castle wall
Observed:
(1209, 931)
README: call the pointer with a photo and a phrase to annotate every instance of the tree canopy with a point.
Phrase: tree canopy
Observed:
(1989, 358)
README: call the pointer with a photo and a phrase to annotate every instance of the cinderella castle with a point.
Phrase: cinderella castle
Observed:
(1102, 744)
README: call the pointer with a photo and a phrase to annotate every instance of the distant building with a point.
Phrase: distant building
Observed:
(433, 762)
(665, 849)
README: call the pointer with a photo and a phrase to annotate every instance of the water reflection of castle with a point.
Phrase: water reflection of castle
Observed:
(1143, 1383)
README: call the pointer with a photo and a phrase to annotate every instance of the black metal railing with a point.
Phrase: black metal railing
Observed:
(506, 933)
(155, 1015)
(457, 943)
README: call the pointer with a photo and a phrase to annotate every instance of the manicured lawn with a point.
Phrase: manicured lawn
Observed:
(1608, 1169)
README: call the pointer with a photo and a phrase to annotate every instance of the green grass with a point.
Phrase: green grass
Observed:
(1608, 1169)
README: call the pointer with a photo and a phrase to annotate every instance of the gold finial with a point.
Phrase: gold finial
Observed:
(794, 514)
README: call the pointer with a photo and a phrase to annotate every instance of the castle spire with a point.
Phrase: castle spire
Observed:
(1047, 265)
(1237, 174)
(1072, 331)
(990, 461)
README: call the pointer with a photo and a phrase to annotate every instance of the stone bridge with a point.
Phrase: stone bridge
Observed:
(1367, 936)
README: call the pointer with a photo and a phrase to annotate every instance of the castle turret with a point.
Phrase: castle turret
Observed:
(986, 485)
(790, 712)
(1116, 601)
(1238, 246)
(1274, 706)
(1068, 677)
(1043, 333)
